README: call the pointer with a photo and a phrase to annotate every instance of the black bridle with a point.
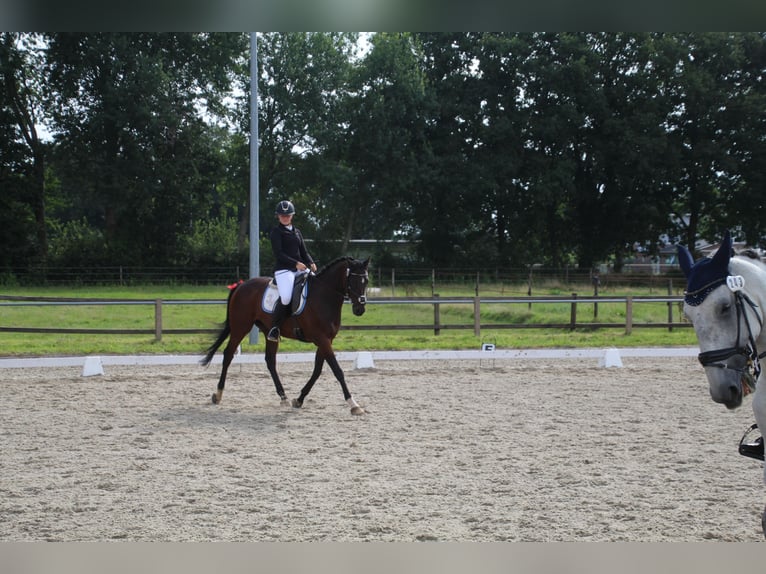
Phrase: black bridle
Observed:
(360, 297)
(718, 357)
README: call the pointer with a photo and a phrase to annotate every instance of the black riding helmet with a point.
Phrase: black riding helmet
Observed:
(285, 207)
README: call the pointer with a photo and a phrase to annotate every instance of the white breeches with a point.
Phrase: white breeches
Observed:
(285, 281)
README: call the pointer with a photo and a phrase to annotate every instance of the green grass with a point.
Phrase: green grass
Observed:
(211, 316)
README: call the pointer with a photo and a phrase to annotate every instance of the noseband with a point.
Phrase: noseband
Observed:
(718, 357)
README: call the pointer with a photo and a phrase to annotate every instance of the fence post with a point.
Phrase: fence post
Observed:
(573, 313)
(629, 314)
(393, 282)
(596, 280)
(670, 305)
(477, 316)
(437, 317)
(158, 319)
(529, 287)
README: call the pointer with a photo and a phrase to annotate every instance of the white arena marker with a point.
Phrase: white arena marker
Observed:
(611, 358)
(364, 361)
(92, 366)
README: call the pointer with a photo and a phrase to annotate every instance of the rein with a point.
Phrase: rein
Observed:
(717, 358)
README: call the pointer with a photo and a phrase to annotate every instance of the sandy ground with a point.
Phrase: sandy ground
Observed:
(504, 450)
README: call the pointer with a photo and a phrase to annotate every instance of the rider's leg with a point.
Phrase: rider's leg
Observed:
(285, 280)
(279, 315)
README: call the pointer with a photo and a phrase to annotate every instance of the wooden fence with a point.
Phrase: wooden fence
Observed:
(575, 320)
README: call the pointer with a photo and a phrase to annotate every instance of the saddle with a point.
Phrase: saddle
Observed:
(298, 301)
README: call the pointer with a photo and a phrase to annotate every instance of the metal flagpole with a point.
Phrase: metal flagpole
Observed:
(255, 266)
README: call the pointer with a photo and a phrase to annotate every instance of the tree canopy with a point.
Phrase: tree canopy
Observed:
(483, 149)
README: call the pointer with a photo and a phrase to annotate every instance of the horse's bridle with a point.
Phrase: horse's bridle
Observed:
(351, 294)
(718, 357)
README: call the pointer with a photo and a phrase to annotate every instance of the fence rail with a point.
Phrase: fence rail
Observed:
(436, 302)
(393, 280)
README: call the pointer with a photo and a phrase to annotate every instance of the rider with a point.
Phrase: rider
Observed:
(291, 258)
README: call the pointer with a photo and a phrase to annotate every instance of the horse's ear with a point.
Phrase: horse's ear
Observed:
(685, 260)
(722, 256)
(367, 261)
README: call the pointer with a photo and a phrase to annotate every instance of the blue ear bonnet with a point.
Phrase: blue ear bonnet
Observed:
(706, 274)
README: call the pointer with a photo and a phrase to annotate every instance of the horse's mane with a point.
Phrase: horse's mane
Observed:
(750, 256)
(750, 253)
(333, 263)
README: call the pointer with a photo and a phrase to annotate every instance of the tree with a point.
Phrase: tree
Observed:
(445, 209)
(132, 145)
(301, 80)
(21, 107)
(706, 77)
(743, 201)
(622, 198)
(373, 153)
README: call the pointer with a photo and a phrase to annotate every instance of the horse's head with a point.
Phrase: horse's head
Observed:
(356, 285)
(725, 319)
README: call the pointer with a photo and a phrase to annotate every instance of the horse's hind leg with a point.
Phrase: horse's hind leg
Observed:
(238, 333)
(228, 355)
(318, 364)
(271, 365)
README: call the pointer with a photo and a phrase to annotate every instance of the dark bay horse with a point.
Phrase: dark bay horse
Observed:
(318, 322)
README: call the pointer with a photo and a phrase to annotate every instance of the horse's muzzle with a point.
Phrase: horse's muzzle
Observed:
(725, 385)
(359, 306)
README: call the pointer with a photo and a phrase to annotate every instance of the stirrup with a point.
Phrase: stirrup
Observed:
(753, 449)
(273, 335)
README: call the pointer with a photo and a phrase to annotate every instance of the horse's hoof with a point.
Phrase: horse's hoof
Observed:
(358, 411)
(763, 522)
(297, 404)
(284, 402)
(215, 399)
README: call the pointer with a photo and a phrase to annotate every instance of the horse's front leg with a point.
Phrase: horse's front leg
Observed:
(759, 410)
(271, 365)
(318, 364)
(338, 372)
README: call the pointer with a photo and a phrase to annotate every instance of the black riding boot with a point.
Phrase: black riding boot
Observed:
(280, 312)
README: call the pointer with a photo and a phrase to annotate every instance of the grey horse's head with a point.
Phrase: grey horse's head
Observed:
(713, 310)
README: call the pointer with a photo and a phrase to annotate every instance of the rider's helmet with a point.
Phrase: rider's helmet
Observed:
(285, 207)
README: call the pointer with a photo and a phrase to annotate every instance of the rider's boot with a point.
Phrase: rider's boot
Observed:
(280, 312)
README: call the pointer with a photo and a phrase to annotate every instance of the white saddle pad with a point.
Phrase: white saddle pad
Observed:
(271, 294)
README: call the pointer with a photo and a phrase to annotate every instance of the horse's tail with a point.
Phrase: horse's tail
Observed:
(225, 331)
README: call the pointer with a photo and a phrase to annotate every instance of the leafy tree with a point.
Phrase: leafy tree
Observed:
(301, 80)
(132, 145)
(706, 77)
(742, 202)
(372, 155)
(22, 163)
(444, 209)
